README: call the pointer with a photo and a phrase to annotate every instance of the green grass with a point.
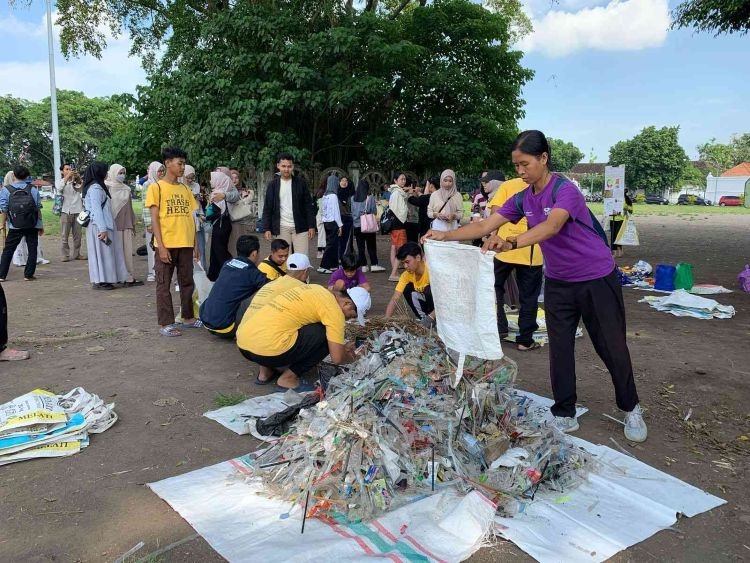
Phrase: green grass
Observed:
(229, 399)
(52, 221)
(663, 210)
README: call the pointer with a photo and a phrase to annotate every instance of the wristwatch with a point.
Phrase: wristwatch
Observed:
(513, 244)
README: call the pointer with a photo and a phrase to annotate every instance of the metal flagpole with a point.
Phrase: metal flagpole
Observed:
(53, 95)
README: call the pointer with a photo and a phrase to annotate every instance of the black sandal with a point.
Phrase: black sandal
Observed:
(132, 283)
(532, 346)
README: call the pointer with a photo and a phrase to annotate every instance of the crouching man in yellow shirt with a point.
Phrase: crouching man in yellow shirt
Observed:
(299, 327)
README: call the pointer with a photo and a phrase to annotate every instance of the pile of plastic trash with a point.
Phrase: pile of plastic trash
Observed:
(42, 424)
(392, 428)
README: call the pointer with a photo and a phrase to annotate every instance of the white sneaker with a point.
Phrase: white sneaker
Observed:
(320, 254)
(566, 423)
(43, 261)
(324, 271)
(150, 278)
(635, 427)
(377, 268)
(365, 269)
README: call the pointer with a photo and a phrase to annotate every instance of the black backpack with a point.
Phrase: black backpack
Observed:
(596, 227)
(22, 208)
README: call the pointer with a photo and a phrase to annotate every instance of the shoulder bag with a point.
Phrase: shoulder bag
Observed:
(242, 208)
(368, 220)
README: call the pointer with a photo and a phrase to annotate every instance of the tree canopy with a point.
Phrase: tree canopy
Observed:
(393, 84)
(653, 159)
(565, 155)
(719, 16)
(720, 156)
(85, 125)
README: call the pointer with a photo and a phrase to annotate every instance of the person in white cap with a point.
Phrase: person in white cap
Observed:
(296, 328)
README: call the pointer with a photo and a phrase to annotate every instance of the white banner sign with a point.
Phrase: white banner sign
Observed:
(614, 190)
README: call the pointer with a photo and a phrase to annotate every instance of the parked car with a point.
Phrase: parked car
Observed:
(690, 199)
(732, 200)
(656, 199)
(46, 193)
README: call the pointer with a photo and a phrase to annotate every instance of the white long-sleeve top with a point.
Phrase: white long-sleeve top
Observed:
(331, 210)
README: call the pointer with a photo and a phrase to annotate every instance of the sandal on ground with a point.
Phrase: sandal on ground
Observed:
(303, 387)
(11, 355)
(274, 377)
(393, 278)
(197, 323)
(105, 286)
(532, 346)
(132, 283)
(170, 330)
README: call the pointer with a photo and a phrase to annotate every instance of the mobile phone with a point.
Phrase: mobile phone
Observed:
(107, 241)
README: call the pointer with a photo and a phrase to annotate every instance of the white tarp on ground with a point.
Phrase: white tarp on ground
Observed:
(243, 526)
(623, 503)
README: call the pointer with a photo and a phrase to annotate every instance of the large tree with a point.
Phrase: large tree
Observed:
(85, 124)
(719, 16)
(565, 155)
(653, 159)
(418, 86)
(720, 156)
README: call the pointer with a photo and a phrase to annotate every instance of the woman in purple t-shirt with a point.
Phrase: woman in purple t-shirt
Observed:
(580, 279)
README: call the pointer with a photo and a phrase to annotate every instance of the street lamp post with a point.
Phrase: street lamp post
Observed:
(53, 94)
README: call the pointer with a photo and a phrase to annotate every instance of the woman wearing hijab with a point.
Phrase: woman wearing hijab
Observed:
(333, 224)
(347, 220)
(446, 205)
(105, 269)
(246, 225)
(422, 202)
(156, 171)
(363, 202)
(122, 211)
(221, 186)
(188, 178)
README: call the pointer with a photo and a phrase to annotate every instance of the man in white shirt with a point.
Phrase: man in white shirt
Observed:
(288, 210)
(70, 188)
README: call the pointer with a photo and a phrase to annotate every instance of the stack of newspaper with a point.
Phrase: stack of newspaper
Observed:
(42, 424)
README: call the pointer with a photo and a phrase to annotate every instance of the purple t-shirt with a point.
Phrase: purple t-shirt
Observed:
(358, 279)
(574, 254)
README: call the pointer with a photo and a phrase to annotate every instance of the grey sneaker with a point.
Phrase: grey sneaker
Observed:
(635, 427)
(566, 423)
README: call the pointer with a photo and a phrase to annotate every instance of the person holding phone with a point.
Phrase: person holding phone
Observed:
(106, 267)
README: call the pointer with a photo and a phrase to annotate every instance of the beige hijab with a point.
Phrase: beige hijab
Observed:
(119, 191)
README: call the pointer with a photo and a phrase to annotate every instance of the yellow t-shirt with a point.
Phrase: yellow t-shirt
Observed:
(267, 293)
(507, 190)
(271, 272)
(176, 205)
(420, 283)
(274, 327)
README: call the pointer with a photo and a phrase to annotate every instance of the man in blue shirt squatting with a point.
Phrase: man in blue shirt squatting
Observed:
(230, 296)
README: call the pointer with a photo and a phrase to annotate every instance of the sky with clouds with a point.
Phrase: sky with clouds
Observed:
(604, 69)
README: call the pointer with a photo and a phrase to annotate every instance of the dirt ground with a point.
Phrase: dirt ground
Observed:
(94, 506)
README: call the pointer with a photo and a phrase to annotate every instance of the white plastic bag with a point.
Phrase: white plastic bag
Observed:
(628, 234)
(463, 288)
(202, 284)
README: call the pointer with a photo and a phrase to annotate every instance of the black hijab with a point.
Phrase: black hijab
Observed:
(362, 191)
(96, 173)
